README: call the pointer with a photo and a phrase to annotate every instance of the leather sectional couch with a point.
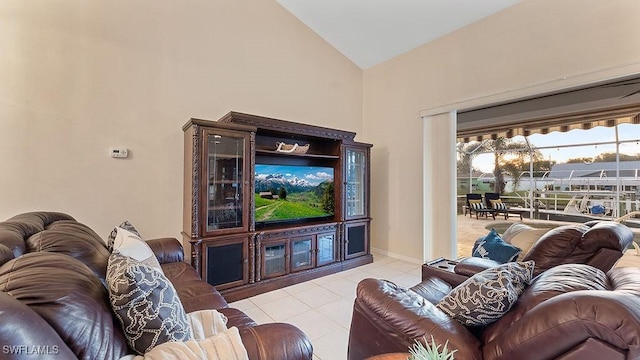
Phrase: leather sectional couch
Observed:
(565, 310)
(598, 243)
(54, 303)
(556, 317)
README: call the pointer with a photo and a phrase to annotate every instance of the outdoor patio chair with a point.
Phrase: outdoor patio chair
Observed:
(475, 205)
(494, 201)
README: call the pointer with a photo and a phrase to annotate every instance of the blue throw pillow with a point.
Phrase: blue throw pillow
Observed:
(493, 247)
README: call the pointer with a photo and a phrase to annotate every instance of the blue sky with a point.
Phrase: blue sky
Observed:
(484, 162)
(313, 174)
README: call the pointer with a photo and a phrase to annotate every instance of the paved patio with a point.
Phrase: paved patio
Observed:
(470, 228)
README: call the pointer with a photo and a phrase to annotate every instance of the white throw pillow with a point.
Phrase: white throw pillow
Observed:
(126, 240)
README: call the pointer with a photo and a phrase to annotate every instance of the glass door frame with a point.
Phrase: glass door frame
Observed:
(363, 187)
(245, 181)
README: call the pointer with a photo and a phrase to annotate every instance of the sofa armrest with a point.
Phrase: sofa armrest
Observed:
(473, 265)
(388, 318)
(167, 249)
(276, 341)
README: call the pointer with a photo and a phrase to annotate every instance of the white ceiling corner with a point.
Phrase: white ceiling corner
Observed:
(369, 32)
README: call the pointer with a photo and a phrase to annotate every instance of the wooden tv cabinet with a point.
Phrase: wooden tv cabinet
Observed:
(243, 257)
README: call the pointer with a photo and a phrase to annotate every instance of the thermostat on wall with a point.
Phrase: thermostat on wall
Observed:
(119, 152)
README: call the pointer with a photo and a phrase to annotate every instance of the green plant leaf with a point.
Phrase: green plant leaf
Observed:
(430, 351)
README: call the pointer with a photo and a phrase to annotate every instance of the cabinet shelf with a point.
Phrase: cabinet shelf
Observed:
(308, 156)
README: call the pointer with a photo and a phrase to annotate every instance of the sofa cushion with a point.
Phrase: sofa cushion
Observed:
(146, 304)
(525, 240)
(72, 238)
(558, 246)
(493, 247)
(71, 300)
(126, 239)
(14, 343)
(513, 230)
(606, 234)
(488, 295)
(5, 254)
(432, 289)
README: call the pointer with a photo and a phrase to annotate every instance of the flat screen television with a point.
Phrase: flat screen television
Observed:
(293, 193)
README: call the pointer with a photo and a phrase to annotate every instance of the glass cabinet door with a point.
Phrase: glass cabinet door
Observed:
(326, 248)
(225, 154)
(302, 253)
(356, 162)
(275, 259)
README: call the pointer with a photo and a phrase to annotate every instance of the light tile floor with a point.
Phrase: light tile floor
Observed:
(322, 307)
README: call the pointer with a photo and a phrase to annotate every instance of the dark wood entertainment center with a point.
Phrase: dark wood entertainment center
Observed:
(243, 257)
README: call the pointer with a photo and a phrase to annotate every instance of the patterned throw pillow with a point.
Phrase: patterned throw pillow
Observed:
(498, 204)
(146, 304)
(488, 295)
(494, 248)
(126, 240)
(476, 204)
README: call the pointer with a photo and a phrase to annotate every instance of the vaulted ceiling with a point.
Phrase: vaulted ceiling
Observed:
(369, 32)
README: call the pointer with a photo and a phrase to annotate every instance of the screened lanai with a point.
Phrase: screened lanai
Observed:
(581, 147)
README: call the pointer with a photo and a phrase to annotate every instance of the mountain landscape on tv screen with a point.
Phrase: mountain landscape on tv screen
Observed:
(292, 193)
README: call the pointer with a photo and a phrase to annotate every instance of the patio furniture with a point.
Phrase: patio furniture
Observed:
(494, 201)
(475, 205)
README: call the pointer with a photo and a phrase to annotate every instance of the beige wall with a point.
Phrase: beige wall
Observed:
(80, 76)
(532, 47)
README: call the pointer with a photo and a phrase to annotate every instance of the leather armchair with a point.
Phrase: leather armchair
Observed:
(569, 312)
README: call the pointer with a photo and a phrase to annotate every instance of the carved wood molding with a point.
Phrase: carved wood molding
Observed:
(293, 232)
(283, 126)
(195, 181)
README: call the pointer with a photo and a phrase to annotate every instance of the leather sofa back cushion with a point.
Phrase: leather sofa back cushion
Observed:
(526, 239)
(606, 234)
(14, 231)
(70, 298)
(556, 247)
(551, 283)
(40, 340)
(5, 254)
(74, 239)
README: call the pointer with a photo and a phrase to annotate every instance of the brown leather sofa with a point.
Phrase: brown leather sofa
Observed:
(54, 304)
(565, 313)
(599, 244)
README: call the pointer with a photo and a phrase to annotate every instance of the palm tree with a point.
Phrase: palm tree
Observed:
(467, 152)
(502, 147)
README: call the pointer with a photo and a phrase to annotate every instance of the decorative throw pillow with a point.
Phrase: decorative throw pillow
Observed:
(146, 304)
(476, 204)
(494, 248)
(488, 295)
(126, 240)
(513, 230)
(498, 204)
